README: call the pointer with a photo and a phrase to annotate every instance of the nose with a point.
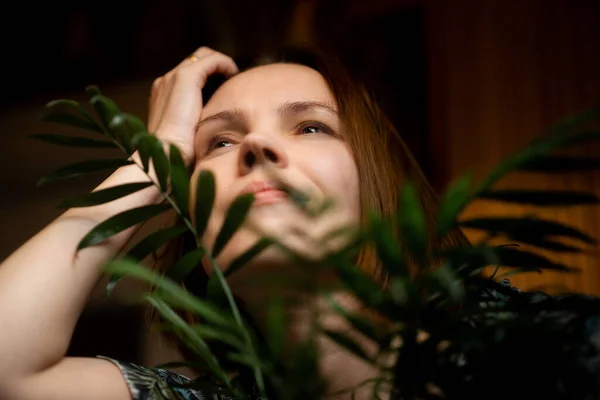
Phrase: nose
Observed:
(256, 149)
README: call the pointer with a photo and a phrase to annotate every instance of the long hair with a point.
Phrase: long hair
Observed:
(383, 160)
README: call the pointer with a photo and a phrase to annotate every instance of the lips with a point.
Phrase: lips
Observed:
(265, 192)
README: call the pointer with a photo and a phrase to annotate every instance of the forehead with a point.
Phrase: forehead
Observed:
(271, 85)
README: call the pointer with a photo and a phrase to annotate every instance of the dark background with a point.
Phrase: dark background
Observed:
(465, 81)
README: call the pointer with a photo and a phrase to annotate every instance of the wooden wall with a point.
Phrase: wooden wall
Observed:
(500, 72)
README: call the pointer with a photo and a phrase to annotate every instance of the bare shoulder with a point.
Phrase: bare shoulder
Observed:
(75, 379)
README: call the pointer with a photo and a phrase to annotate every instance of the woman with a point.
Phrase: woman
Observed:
(298, 120)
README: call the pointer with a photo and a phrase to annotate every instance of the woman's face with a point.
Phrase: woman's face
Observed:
(276, 123)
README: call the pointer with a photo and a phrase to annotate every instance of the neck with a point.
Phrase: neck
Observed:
(341, 369)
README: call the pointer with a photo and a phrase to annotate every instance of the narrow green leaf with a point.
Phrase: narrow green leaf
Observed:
(190, 338)
(245, 359)
(106, 110)
(471, 260)
(361, 284)
(569, 123)
(412, 224)
(205, 198)
(208, 332)
(120, 222)
(526, 226)
(118, 126)
(359, 323)
(161, 165)
(180, 181)
(126, 126)
(70, 112)
(445, 277)
(560, 164)
(540, 148)
(84, 167)
(541, 197)
(92, 91)
(348, 343)
(546, 244)
(276, 324)
(517, 271)
(73, 141)
(185, 265)
(454, 200)
(512, 257)
(248, 255)
(154, 241)
(145, 143)
(104, 195)
(171, 292)
(235, 217)
(388, 248)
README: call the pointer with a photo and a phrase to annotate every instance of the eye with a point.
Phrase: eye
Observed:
(218, 141)
(311, 127)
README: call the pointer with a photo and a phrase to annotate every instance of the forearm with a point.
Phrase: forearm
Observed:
(44, 285)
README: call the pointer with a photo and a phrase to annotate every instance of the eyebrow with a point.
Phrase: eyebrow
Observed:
(287, 109)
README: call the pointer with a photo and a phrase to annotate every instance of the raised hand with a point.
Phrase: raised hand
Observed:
(176, 98)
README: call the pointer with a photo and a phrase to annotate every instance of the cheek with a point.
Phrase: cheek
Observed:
(334, 170)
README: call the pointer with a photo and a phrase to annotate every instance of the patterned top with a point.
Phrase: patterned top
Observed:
(159, 384)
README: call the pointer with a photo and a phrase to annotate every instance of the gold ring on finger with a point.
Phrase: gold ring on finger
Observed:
(193, 57)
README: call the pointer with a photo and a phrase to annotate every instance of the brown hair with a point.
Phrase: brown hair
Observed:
(383, 160)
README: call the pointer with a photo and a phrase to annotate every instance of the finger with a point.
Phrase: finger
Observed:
(200, 53)
(185, 100)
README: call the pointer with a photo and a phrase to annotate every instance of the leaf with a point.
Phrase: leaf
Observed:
(92, 91)
(248, 255)
(445, 277)
(106, 110)
(161, 165)
(245, 359)
(205, 197)
(560, 164)
(84, 167)
(546, 244)
(540, 148)
(508, 256)
(171, 292)
(73, 141)
(412, 224)
(145, 143)
(208, 332)
(190, 338)
(363, 285)
(526, 226)
(388, 248)
(77, 116)
(454, 200)
(567, 124)
(154, 241)
(276, 323)
(104, 195)
(540, 197)
(120, 222)
(118, 126)
(348, 344)
(235, 217)
(180, 181)
(126, 126)
(185, 265)
(359, 323)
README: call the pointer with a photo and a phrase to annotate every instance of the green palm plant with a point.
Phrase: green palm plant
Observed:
(478, 330)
